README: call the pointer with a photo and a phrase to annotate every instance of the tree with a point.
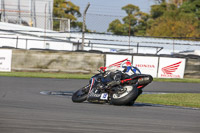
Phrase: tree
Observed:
(191, 7)
(158, 10)
(168, 27)
(177, 2)
(170, 19)
(116, 27)
(142, 23)
(130, 9)
(132, 23)
(66, 9)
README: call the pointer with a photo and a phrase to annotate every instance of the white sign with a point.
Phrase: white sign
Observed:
(146, 64)
(111, 58)
(5, 60)
(171, 67)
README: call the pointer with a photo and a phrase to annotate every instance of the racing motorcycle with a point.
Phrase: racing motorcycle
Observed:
(125, 93)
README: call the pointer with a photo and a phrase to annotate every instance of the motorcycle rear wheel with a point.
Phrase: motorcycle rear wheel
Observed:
(125, 98)
(81, 94)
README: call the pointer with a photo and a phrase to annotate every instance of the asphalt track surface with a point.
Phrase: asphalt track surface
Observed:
(24, 110)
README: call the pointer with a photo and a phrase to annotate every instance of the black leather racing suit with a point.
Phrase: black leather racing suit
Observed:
(115, 78)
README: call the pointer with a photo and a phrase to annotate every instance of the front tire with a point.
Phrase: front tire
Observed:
(125, 98)
(81, 95)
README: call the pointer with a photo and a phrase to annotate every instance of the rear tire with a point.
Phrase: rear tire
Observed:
(125, 98)
(133, 101)
(81, 95)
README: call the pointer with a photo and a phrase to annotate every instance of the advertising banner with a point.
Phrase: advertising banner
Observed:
(110, 58)
(5, 60)
(146, 64)
(171, 67)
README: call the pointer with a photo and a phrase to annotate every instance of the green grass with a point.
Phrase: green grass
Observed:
(177, 80)
(176, 99)
(46, 75)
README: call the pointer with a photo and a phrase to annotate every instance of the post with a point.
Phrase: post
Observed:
(31, 14)
(26, 44)
(129, 34)
(50, 18)
(45, 25)
(78, 46)
(35, 22)
(3, 14)
(83, 28)
(17, 42)
(19, 13)
(173, 45)
(137, 47)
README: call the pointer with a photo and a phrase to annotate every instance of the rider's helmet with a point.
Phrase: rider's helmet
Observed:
(129, 69)
(126, 66)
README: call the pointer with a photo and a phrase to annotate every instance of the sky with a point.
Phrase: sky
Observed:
(102, 12)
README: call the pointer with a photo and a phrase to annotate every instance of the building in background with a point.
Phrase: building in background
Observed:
(35, 13)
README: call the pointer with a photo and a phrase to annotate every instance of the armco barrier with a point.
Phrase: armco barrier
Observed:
(81, 61)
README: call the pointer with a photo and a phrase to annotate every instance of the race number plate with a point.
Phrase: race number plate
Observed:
(104, 96)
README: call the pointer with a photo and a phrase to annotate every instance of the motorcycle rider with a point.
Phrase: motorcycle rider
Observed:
(125, 72)
(112, 76)
(118, 84)
(116, 74)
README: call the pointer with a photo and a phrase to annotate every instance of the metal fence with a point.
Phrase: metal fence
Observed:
(34, 13)
(98, 24)
(134, 44)
(96, 42)
(40, 21)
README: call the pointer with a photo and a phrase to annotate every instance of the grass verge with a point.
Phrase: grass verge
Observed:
(185, 80)
(176, 99)
(46, 75)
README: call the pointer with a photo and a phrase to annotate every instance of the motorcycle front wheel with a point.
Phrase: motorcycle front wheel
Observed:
(81, 94)
(126, 96)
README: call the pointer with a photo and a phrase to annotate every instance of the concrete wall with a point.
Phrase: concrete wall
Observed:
(192, 69)
(54, 61)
